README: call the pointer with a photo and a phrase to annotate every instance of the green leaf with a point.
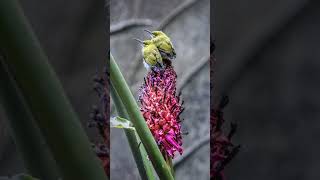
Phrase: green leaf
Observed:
(121, 123)
(25, 133)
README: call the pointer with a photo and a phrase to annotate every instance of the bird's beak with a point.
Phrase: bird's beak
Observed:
(149, 32)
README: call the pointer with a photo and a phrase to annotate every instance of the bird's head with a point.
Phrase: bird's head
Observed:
(143, 43)
(158, 33)
(147, 42)
(155, 33)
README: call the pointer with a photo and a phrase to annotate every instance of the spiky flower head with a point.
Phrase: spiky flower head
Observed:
(161, 109)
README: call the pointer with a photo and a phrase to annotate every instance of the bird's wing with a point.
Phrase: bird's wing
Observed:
(165, 47)
(153, 57)
(158, 56)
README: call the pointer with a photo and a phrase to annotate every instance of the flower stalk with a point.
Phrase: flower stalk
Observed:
(121, 87)
(139, 153)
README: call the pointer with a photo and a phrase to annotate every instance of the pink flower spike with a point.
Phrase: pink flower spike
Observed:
(161, 109)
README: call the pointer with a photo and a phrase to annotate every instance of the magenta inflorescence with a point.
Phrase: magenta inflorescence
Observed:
(161, 109)
(222, 149)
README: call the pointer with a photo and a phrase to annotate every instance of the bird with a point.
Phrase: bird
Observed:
(163, 43)
(151, 55)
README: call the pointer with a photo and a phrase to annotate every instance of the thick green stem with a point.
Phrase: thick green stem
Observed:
(45, 97)
(26, 135)
(169, 162)
(139, 153)
(138, 121)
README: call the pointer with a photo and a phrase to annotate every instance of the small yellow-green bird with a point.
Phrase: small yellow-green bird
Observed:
(151, 55)
(163, 43)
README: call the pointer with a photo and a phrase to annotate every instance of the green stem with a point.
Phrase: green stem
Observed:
(26, 135)
(139, 153)
(45, 97)
(169, 162)
(138, 121)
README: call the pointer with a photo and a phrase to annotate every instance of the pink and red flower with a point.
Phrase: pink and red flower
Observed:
(161, 109)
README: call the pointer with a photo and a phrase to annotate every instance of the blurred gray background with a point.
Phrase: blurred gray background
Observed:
(187, 24)
(268, 63)
(73, 34)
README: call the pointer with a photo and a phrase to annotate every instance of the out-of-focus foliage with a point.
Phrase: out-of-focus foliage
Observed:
(268, 62)
(72, 34)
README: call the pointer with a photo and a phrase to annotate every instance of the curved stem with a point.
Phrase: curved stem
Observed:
(138, 151)
(138, 121)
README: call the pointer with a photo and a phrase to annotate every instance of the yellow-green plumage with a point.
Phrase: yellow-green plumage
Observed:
(151, 54)
(164, 44)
